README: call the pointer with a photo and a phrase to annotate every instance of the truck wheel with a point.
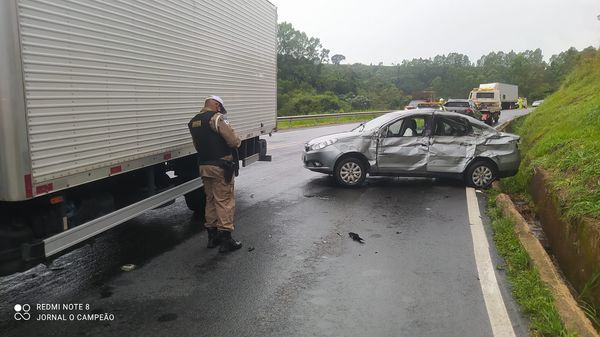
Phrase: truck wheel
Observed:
(350, 172)
(481, 174)
(196, 200)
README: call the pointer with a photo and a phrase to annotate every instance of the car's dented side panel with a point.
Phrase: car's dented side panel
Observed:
(403, 154)
(502, 150)
(451, 154)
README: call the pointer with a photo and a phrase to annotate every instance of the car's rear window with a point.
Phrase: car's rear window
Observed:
(458, 104)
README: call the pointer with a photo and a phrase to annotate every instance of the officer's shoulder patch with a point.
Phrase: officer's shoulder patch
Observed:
(224, 118)
(196, 124)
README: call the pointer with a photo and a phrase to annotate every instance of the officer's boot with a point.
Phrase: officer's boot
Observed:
(213, 237)
(228, 244)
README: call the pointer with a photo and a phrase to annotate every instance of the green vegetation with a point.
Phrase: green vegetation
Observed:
(562, 136)
(586, 298)
(529, 291)
(308, 83)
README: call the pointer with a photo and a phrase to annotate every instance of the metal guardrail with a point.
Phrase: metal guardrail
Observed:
(340, 115)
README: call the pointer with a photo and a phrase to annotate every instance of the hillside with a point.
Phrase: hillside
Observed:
(562, 136)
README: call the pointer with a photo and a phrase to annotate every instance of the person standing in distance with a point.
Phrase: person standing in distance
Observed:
(216, 142)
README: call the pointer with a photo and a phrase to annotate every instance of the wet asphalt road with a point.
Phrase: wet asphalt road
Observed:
(414, 276)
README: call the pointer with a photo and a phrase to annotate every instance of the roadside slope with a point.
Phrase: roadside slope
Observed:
(562, 136)
(560, 170)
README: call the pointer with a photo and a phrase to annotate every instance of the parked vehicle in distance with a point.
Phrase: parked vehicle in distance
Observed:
(423, 104)
(461, 106)
(414, 104)
(537, 103)
(496, 96)
(421, 143)
(486, 116)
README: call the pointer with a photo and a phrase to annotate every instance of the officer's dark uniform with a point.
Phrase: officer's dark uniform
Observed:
(215, 140)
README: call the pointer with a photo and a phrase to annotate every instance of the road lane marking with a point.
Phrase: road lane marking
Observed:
(501, 324)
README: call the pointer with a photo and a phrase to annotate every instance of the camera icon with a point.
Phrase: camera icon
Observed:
(22, 312)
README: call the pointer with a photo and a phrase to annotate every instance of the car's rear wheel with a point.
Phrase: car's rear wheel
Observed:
(350, 172)
(481, 174)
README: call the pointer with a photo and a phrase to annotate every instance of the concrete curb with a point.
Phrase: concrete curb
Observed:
(570, 314)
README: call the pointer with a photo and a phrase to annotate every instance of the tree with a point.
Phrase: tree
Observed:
(337, 58)
(297, 44)
(324, 55)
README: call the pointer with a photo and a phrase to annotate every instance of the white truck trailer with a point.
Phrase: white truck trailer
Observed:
(496, 96)
(95, 97)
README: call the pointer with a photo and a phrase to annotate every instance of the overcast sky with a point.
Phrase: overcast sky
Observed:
(390, 31)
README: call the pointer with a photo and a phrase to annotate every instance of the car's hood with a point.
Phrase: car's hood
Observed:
(338, 136)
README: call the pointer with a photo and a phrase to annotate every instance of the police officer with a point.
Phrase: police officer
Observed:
(216, 144)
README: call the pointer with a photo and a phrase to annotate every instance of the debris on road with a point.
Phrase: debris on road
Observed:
(356, 237)
(250, 249)
(128, 267)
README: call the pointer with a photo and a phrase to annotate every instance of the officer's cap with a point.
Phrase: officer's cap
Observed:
(216, 98)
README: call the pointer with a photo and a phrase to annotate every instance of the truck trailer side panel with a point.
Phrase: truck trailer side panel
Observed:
(109, 86)
(508, 92)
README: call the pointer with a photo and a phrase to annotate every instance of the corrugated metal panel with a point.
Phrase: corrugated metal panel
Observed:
(115, 80)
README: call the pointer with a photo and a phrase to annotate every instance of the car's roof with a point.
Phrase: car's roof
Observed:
(437, 112)
(457, 100)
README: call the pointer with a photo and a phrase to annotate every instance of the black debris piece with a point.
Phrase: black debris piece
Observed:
(250, 249)
(356, 237)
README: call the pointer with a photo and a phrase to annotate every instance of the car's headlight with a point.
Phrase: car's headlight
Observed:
(324, 144)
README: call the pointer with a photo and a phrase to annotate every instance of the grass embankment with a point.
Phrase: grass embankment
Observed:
(528, 289)
(562, 136)
(324, 121)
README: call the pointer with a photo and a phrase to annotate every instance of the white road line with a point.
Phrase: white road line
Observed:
(501, 324)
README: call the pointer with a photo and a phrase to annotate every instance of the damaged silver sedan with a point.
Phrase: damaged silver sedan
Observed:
(416, 143)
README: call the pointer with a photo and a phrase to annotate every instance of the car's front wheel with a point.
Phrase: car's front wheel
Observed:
(481, 174)
(350, 172)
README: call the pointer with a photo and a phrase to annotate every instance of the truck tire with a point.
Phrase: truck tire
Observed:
(350, 172)
(196, 200)
(480, 174)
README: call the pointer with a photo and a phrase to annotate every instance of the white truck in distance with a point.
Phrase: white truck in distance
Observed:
(95, 97)
(496, 96)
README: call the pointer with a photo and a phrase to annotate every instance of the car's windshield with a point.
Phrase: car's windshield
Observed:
(376, 122)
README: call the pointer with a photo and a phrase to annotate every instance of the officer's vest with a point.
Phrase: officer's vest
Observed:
(209, 144)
